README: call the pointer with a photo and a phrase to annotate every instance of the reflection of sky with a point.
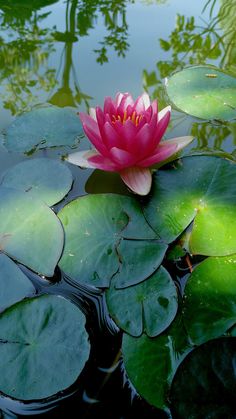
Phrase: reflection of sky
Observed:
(147, 23)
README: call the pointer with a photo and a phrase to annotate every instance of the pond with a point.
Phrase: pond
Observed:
(118, 258)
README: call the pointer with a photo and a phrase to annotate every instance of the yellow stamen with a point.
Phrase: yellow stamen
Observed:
(134, 118)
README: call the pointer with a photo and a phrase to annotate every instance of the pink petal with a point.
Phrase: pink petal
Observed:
(162, 125)
(122, 157)
(103, 163)
(144, 143)
(154, 106)
(164, 112)
(180, 142)
(89, 122)
(92, 113)
(126, 101)
(110, 136)
(126, 132)
(109, 106)
(96, 140)
(142, 103)
(118, 98)
(80, 158)
(138, 179)
(163, 152)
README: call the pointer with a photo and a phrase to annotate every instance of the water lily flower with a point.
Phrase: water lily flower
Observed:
(127, 137)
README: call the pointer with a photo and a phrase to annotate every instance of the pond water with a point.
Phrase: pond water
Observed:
(72, 54)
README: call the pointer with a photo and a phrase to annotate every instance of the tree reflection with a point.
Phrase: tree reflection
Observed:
(191, 44)
(26, 46)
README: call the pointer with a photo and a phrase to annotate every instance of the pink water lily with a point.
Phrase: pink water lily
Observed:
(127, 137)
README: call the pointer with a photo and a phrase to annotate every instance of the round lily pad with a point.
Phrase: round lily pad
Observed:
(152, 362)
(30, 232)
(203, 91)
(205, 383)
(147, 307)
(47, 179)
(209, 308)
(107, 236)
(43, 127)
(14, 285)
(43, 347)
(200, 190)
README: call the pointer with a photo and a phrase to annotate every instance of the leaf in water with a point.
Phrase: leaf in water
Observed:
(205, 383)
(148, 307)
(42, 128)
(106, 182)
(209, 308)
(203, 91)
(43, 178)
(103, 235)
(14, 285)
(43, 347)
(30, 232)
(201, 190)
(151, 362)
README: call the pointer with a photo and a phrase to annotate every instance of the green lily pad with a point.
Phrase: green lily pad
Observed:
(205, 383)
(42, 178)
(43, 347)
(148, 307)
(152, 362)
(209, 308)
(201, 190)
(30, 232)
(14, 285)
(203, 91)
(107, 236)
(42, 128)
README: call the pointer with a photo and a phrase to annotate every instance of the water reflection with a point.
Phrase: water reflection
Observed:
(26, 47)
(213, 42)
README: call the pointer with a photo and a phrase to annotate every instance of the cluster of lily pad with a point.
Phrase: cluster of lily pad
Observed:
(121, 244)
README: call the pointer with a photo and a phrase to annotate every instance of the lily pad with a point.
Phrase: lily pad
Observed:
(203, 91)
(107, 236)
(209, 308)
(152, 362)
(30, 232)
(43, 347)
(148, 307)
(14, 285)
(200, 190)
(43, 127)
(205, 383)
(43, 178)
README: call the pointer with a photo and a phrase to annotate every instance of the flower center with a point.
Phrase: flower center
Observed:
(133, 118)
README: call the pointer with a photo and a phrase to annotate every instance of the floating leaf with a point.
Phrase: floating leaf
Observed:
(43, 347)
(14, 285)
(200, 190)
(209, 308)
(107, 235)
(151, 362)
(205, 383)
(147, 307)
(203, 91)
(42, 128)
(42, 178)
(30, 232)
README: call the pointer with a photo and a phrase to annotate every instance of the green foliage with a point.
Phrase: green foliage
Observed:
(204, 92)
(43, 347)
(42, 178)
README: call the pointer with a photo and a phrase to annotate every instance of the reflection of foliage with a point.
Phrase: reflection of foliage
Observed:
(21, 73)
(114, 16)
(24, 75)
(204, 131)
(190, 44)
